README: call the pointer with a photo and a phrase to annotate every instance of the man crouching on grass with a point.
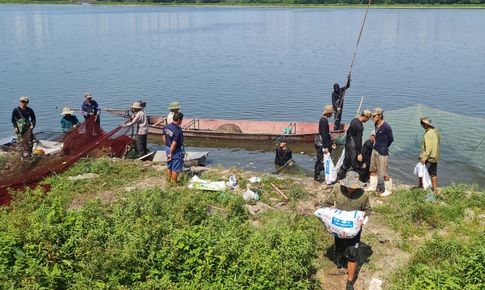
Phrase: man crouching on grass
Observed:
(173, 139)
(349, 196)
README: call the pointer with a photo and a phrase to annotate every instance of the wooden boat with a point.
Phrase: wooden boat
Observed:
(243, 130)
(246, 130)
(192, 158)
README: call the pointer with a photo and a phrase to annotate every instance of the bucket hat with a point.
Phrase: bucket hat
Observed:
(352, 180)
(173, 106)
(67, 111)
(24, 98)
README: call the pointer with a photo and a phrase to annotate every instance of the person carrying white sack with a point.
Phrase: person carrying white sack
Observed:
(430, 151)
(349, 196)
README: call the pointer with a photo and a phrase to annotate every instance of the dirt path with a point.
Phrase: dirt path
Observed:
(380, 254)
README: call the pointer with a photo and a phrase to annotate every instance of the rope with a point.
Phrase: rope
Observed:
(356, 47)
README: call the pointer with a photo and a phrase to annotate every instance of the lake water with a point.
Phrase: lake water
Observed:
(242, 63)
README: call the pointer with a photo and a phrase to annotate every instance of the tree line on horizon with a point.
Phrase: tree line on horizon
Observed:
(308, 2)
(293, 2)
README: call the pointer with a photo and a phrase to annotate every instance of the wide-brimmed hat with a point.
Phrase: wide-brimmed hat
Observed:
(24, 98)
(173, 106)
(352, 180)
(136, 105)
(427, 121)
(328, 109)
(88, 95)
(67, 111)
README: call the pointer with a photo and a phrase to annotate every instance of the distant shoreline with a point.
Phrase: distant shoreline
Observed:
(265, 5)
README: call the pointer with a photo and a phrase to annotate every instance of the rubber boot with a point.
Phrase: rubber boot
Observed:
(372, 184)
(387, 187)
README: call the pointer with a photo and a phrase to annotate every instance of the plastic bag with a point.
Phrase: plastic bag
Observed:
(340, 223)
(249, 194)
(421, 170)
(196, 182)
(340, 160)
(330, 170)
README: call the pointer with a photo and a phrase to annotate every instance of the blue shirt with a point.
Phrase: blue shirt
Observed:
(384, 139)
(86, 109)
(172, 133)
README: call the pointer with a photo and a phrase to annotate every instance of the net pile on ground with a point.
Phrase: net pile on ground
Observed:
(89, 140)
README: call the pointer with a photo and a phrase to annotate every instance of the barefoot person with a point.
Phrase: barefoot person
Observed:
(173, 139)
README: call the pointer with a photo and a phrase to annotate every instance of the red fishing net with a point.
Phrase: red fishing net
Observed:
(32, 159)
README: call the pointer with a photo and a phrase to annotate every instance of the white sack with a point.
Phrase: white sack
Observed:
(340, 223)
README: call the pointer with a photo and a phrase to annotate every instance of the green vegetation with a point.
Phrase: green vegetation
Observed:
(116, 232)
(453, 254)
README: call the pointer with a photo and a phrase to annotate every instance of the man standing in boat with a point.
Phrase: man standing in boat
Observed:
(353, 145)
(173, 139)
(141, 121)
(174, 107)
(380, 154)
(338, 102)
(90, 108)
(326, 144)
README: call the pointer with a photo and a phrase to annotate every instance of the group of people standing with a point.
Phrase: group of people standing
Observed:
(364, 163)
(24, 121)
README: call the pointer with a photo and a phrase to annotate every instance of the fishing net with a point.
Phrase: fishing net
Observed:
(25, 164)
(462, 137)
(291, 167)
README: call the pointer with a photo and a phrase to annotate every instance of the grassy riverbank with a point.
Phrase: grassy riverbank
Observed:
(122, 227)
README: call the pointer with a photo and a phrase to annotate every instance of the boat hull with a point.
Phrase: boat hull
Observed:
(246, 130)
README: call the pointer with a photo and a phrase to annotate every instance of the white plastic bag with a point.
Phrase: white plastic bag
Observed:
(422, 172)
(340, 160)
(340, 223)
(196, 182)
(330, 171)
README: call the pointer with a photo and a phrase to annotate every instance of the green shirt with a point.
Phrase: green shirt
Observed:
(430, 146)
(340, 198)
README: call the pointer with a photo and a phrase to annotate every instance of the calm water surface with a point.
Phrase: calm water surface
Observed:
(240, 63)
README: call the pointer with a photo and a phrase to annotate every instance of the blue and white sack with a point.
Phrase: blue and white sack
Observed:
(340, 223)
(330, 171)
(422, 172)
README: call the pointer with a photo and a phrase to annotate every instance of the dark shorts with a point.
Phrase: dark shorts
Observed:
(177, 162)
(349, 246)
(432, 168)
